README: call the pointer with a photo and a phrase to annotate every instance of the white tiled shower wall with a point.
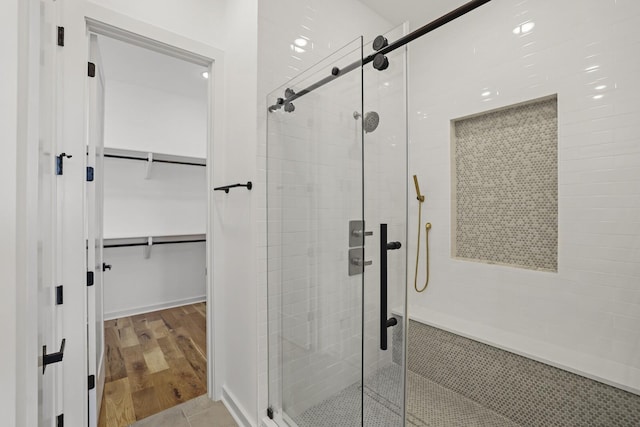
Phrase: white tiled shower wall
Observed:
(587, 315)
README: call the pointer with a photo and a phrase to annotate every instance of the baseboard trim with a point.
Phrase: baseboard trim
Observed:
(238, 413)
(154, 307)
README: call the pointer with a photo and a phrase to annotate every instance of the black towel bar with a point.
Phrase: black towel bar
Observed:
(226, 188)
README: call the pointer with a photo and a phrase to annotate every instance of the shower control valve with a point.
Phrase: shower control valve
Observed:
(360, 233)
(357, 233)
(360, 262)
(357, 262)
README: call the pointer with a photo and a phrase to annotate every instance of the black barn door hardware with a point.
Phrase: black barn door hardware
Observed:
(48, 359)
(226, 188)
(384, 321)
(379, 59)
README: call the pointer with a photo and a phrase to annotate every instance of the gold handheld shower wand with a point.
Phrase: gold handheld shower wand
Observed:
(420, 196)
(427, 227)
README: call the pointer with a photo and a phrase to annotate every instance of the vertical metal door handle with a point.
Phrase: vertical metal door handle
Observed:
(384, 321)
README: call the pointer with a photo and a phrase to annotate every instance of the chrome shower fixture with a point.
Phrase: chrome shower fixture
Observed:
(370, 122)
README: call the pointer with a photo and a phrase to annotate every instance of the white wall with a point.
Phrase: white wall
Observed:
(201, 20)
(238, 222)
(586, 316)
(172, 201)
(173, 275)
(147, 119)
(8, 209)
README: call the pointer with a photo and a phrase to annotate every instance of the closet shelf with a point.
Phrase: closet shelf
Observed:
(125, 241)
(145, 156)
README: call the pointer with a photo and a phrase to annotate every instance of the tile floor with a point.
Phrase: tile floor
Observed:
(428, 404)
(198, 412)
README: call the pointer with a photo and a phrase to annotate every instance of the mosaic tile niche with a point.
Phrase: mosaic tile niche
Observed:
(505, 186)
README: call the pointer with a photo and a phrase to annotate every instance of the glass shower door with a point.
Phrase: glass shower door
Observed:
(385, 212)
(314, 191)
(336, 201)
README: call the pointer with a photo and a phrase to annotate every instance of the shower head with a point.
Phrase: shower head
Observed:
(370, 122)
(420, 197)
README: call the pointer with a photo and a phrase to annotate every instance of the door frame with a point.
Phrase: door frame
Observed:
(81, 19)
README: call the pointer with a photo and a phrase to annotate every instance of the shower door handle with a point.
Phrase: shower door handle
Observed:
(384, 321)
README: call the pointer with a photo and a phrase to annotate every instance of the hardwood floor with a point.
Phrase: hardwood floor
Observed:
(153, 361)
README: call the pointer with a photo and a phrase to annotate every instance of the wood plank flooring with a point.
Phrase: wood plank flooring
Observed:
(153, 361)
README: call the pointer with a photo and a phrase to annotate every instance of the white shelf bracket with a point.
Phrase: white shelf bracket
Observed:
(149, 165)
(147, 249)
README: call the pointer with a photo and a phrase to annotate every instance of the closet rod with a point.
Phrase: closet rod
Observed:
(177, 162)
(124, 245)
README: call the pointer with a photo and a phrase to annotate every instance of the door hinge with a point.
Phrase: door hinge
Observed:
(89, 173)
(60, 36)
(59, 295)
(60, 421)
(60, 162)
(92, 382)
(89, 278)
(91, 69)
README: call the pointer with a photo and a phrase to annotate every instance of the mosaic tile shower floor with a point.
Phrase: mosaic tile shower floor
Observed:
(428, 405)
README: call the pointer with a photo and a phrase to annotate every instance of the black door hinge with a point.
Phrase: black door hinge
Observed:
(48, 359)
(92, 382)
(60, 421)
(59, 295)
(89, 173)
(89, 278)
(60, 162)
(91, 69)
(270, 412)
(60, 36)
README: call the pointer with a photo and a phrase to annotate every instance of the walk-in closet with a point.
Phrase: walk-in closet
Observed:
(151, 188)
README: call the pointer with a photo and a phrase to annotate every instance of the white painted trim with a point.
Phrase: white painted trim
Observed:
(238, 413)
(625, 378)
(13, 27)
(153, 307)
(101, 20)
(26, 328)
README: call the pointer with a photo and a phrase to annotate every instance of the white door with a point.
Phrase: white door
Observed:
(50, 296)
(94, 188)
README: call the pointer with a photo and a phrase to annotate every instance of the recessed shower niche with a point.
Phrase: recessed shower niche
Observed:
(505, 186)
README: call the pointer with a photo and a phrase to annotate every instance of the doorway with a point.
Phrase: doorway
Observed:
(147, 231)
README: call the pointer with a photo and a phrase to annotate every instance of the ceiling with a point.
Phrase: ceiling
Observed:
(139, 66)
(418, 12)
